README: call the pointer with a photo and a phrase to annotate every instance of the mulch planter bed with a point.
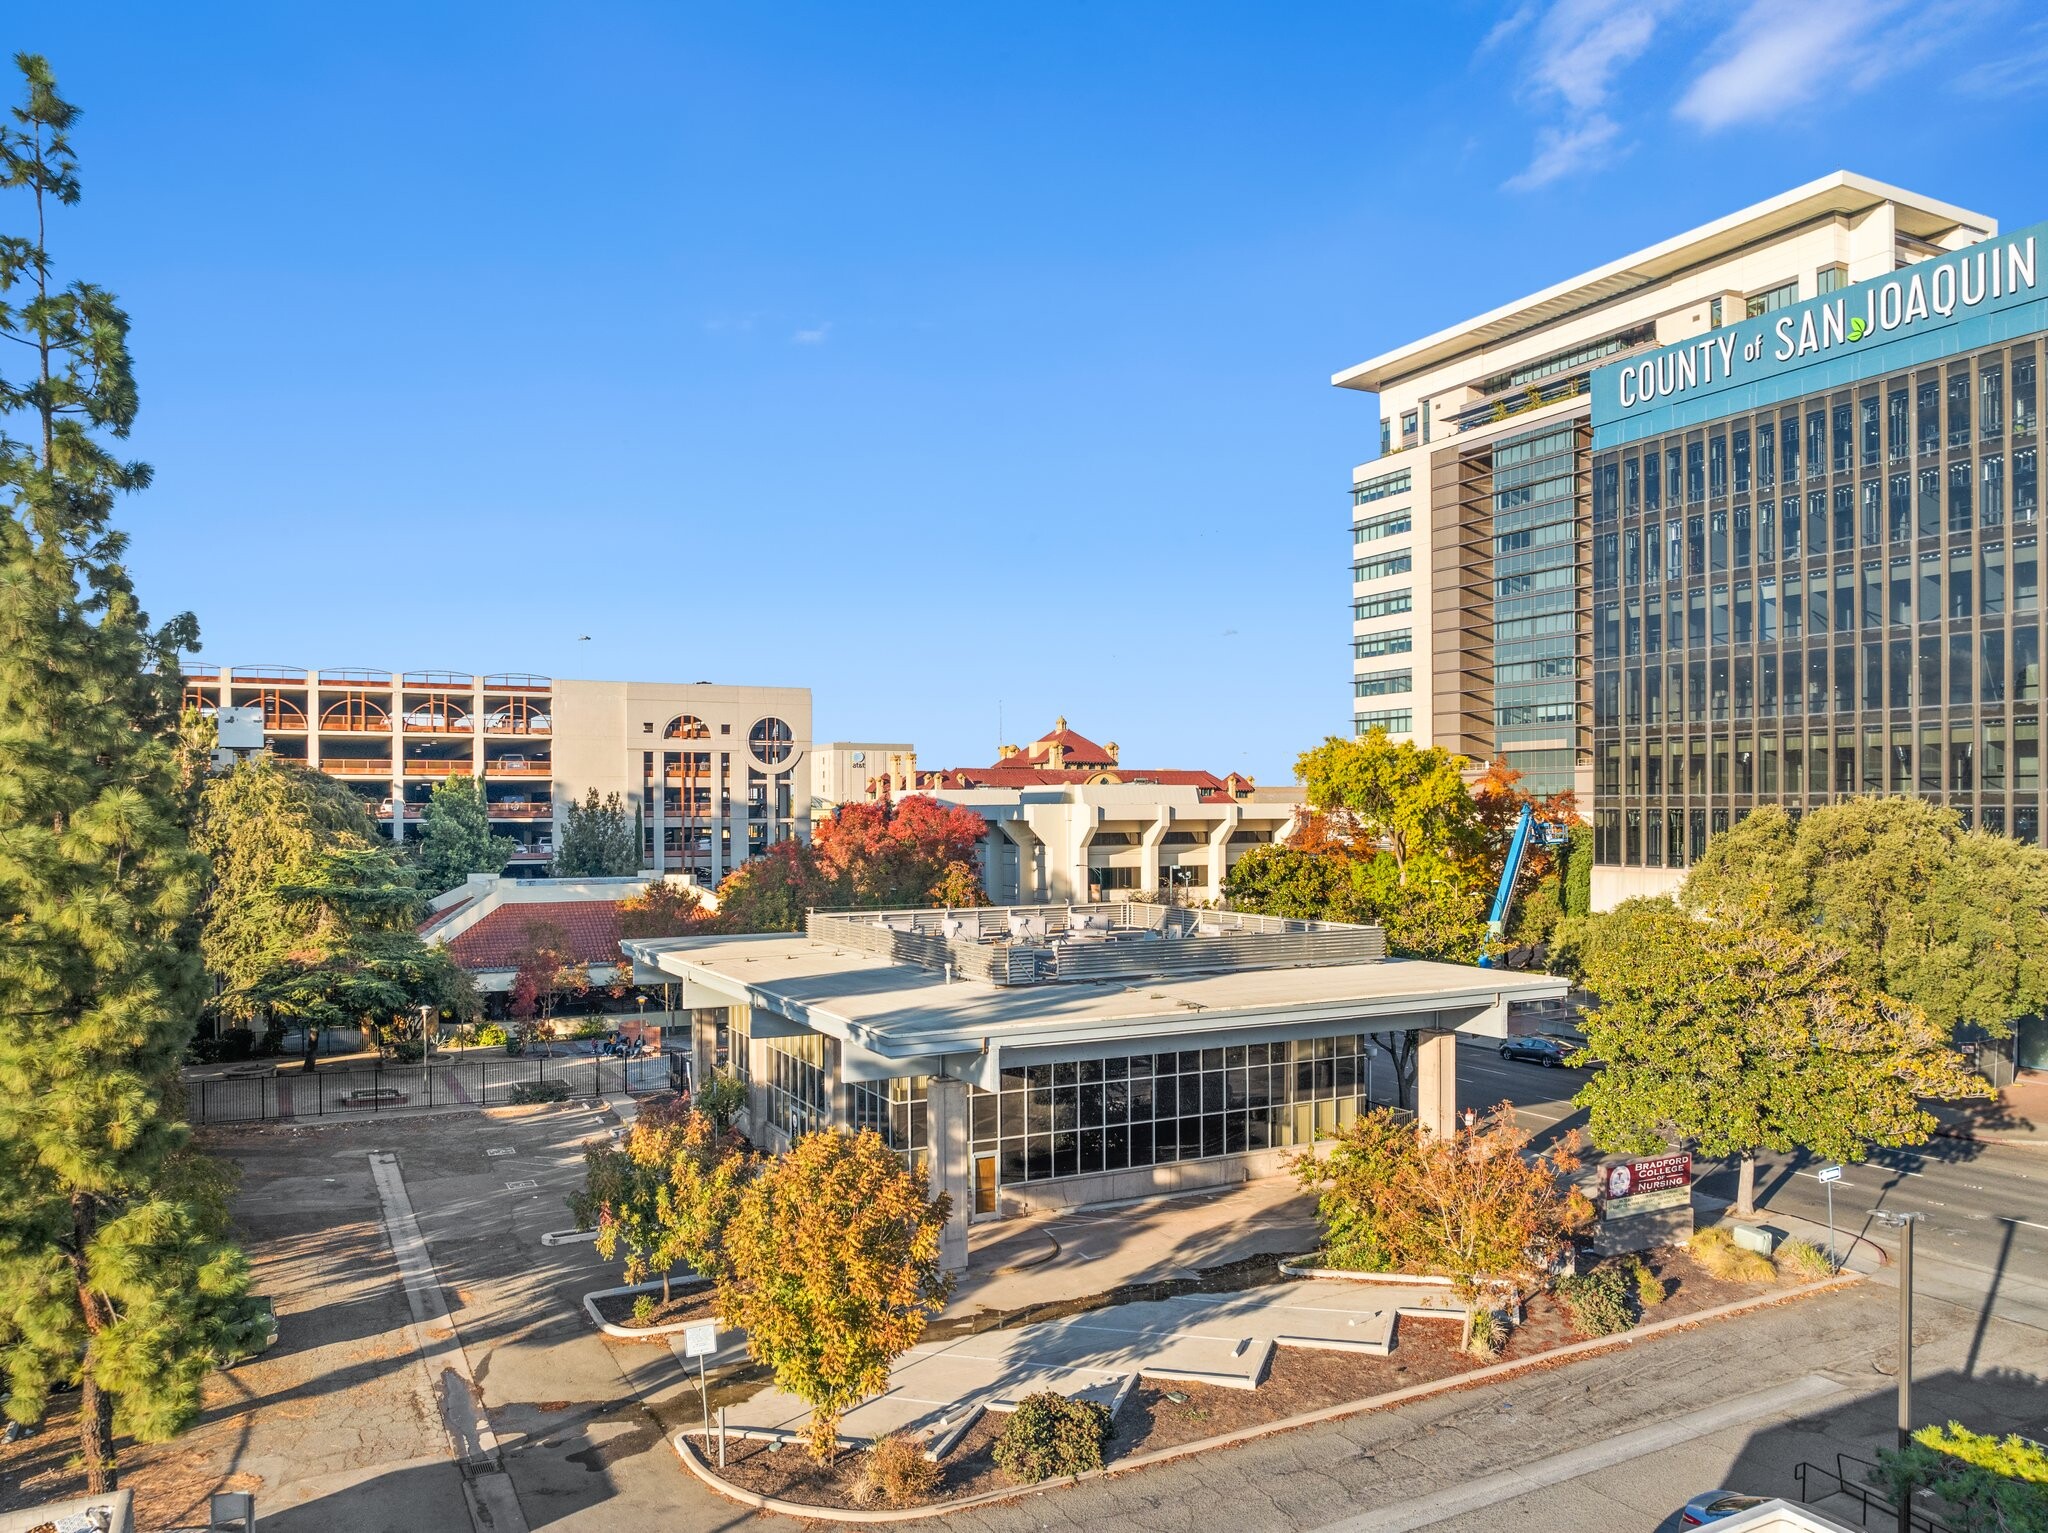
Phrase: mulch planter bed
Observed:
(683, 1304)
(1163, 1415)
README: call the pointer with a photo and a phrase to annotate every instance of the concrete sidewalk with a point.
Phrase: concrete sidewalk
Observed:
(1225, 1339)
(2018, 1115)
(1102, 1247)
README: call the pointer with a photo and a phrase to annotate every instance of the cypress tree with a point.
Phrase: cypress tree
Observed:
(455, 836)
(111, 1278)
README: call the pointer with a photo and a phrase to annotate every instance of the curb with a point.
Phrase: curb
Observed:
(1027, 1263)
(641, 1333)
(693, 1460)
(1970, 1137)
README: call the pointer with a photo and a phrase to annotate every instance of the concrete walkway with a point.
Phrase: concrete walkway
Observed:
(1100, 1248)
(1225, 1339)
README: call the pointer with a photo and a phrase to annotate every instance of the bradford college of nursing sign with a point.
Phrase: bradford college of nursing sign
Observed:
(1907, 316)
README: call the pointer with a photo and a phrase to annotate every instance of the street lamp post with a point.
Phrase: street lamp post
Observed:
(1903, 1223)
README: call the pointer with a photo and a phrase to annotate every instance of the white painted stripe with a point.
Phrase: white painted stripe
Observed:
(453, 1386)
(1474, 1495)
(2008, 1219)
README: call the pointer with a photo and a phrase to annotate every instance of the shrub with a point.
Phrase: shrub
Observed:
(1803, 1262)
(1649, 1286)
(530, 1093)
(1598, 1301)
(409, 1051)
(1050, 1435)
(1489, 1335)
(514, 1044)
(592, 1027)
(237, 1043)
(490, 1036)
(643, 1309)
(899, 1472)
(1714, 1248)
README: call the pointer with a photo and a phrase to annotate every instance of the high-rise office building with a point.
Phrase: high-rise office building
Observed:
(1491, 559)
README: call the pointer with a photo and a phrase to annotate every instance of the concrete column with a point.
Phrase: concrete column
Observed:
(1436, 1081)
(948, 1129)
(757, 1089)
(1219, 849)
(1148, 847)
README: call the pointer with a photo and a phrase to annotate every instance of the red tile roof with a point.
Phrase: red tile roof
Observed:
(500, 938)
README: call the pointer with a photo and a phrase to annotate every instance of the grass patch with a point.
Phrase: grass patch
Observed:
(1714, 1248)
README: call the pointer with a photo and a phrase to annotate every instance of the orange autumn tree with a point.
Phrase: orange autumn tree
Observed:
(912, 852)
(1471, 1206)
(831, 1266)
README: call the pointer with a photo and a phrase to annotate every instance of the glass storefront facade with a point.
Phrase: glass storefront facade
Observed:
(1833, 595)
(1077, 1117)
(1536, 602)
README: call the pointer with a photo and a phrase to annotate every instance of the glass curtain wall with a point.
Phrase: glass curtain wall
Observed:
(1535, 605)
(1834, 596)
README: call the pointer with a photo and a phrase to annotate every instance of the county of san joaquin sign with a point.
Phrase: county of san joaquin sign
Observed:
(1645, 1186)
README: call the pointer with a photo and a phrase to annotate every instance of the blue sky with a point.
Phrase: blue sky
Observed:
(959, 363)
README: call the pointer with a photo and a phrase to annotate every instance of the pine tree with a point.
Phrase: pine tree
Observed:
(108, 1278)
(455, 836)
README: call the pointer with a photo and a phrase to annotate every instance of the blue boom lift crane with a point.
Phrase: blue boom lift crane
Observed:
(1504, 897)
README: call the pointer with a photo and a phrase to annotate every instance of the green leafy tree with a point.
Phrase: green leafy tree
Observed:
(664, 1196)
(1952, 920)
(832, 1269)
(1736, 1036)
(1404, 798)
(663, 909)
(598, 839)
(353, 958)
(455, 836)
(110, 1281)
(1288, 881)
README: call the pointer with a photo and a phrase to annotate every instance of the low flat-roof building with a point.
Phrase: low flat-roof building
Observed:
(1043, 1056)
(1068, 821)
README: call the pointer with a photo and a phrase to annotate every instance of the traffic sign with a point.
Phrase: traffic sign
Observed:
(700, 1339)
(1829, 1174)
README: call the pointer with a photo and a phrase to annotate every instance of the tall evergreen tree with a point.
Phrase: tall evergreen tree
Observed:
(455, 836)
(108, 1279)
(600, 838)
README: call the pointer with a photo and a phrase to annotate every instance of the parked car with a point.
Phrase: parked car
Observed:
(1715, 1505)
(1536, 1050)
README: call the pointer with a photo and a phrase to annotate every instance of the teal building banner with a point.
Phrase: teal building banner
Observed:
(1990, 292)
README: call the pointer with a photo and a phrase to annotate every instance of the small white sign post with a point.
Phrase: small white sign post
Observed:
(700, 1341)
(1828, 1176)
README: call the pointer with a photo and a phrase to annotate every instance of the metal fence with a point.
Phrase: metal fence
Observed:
(338, 1091)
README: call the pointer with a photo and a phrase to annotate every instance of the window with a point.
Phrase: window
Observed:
(1409, 422)
(1395, 721)
(1831, 279)
(1395, 641)
(895, 1109)
(1383, 605)
(1387, 525)
(1385, 683)
(1380, 487)
(1713, 313)
(770, 740)
(1382, 567)
(797, 1101)
(1771, 298)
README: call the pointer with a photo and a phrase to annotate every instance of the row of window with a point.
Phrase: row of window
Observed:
(1386, 604)
(1385, 683)
(1391, 641)
(1388, 525)
(1675, 838)
(1387, 564)
(1395, 721)
(1963, 670)
(1958, 756)
(1380, 486)
(1959, 500)
(1964, 582)
(1891, 423)
(1070, 1119)
(797, 1100)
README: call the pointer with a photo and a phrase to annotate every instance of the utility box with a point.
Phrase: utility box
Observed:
(1760, 1238)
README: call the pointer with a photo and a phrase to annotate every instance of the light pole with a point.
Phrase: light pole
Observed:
(1903, 1223)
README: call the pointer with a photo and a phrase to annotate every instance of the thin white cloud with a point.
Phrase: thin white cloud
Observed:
(1561, 152)
(1575, 54)
(1790, 55)
(812, 337)
(2018, 69)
